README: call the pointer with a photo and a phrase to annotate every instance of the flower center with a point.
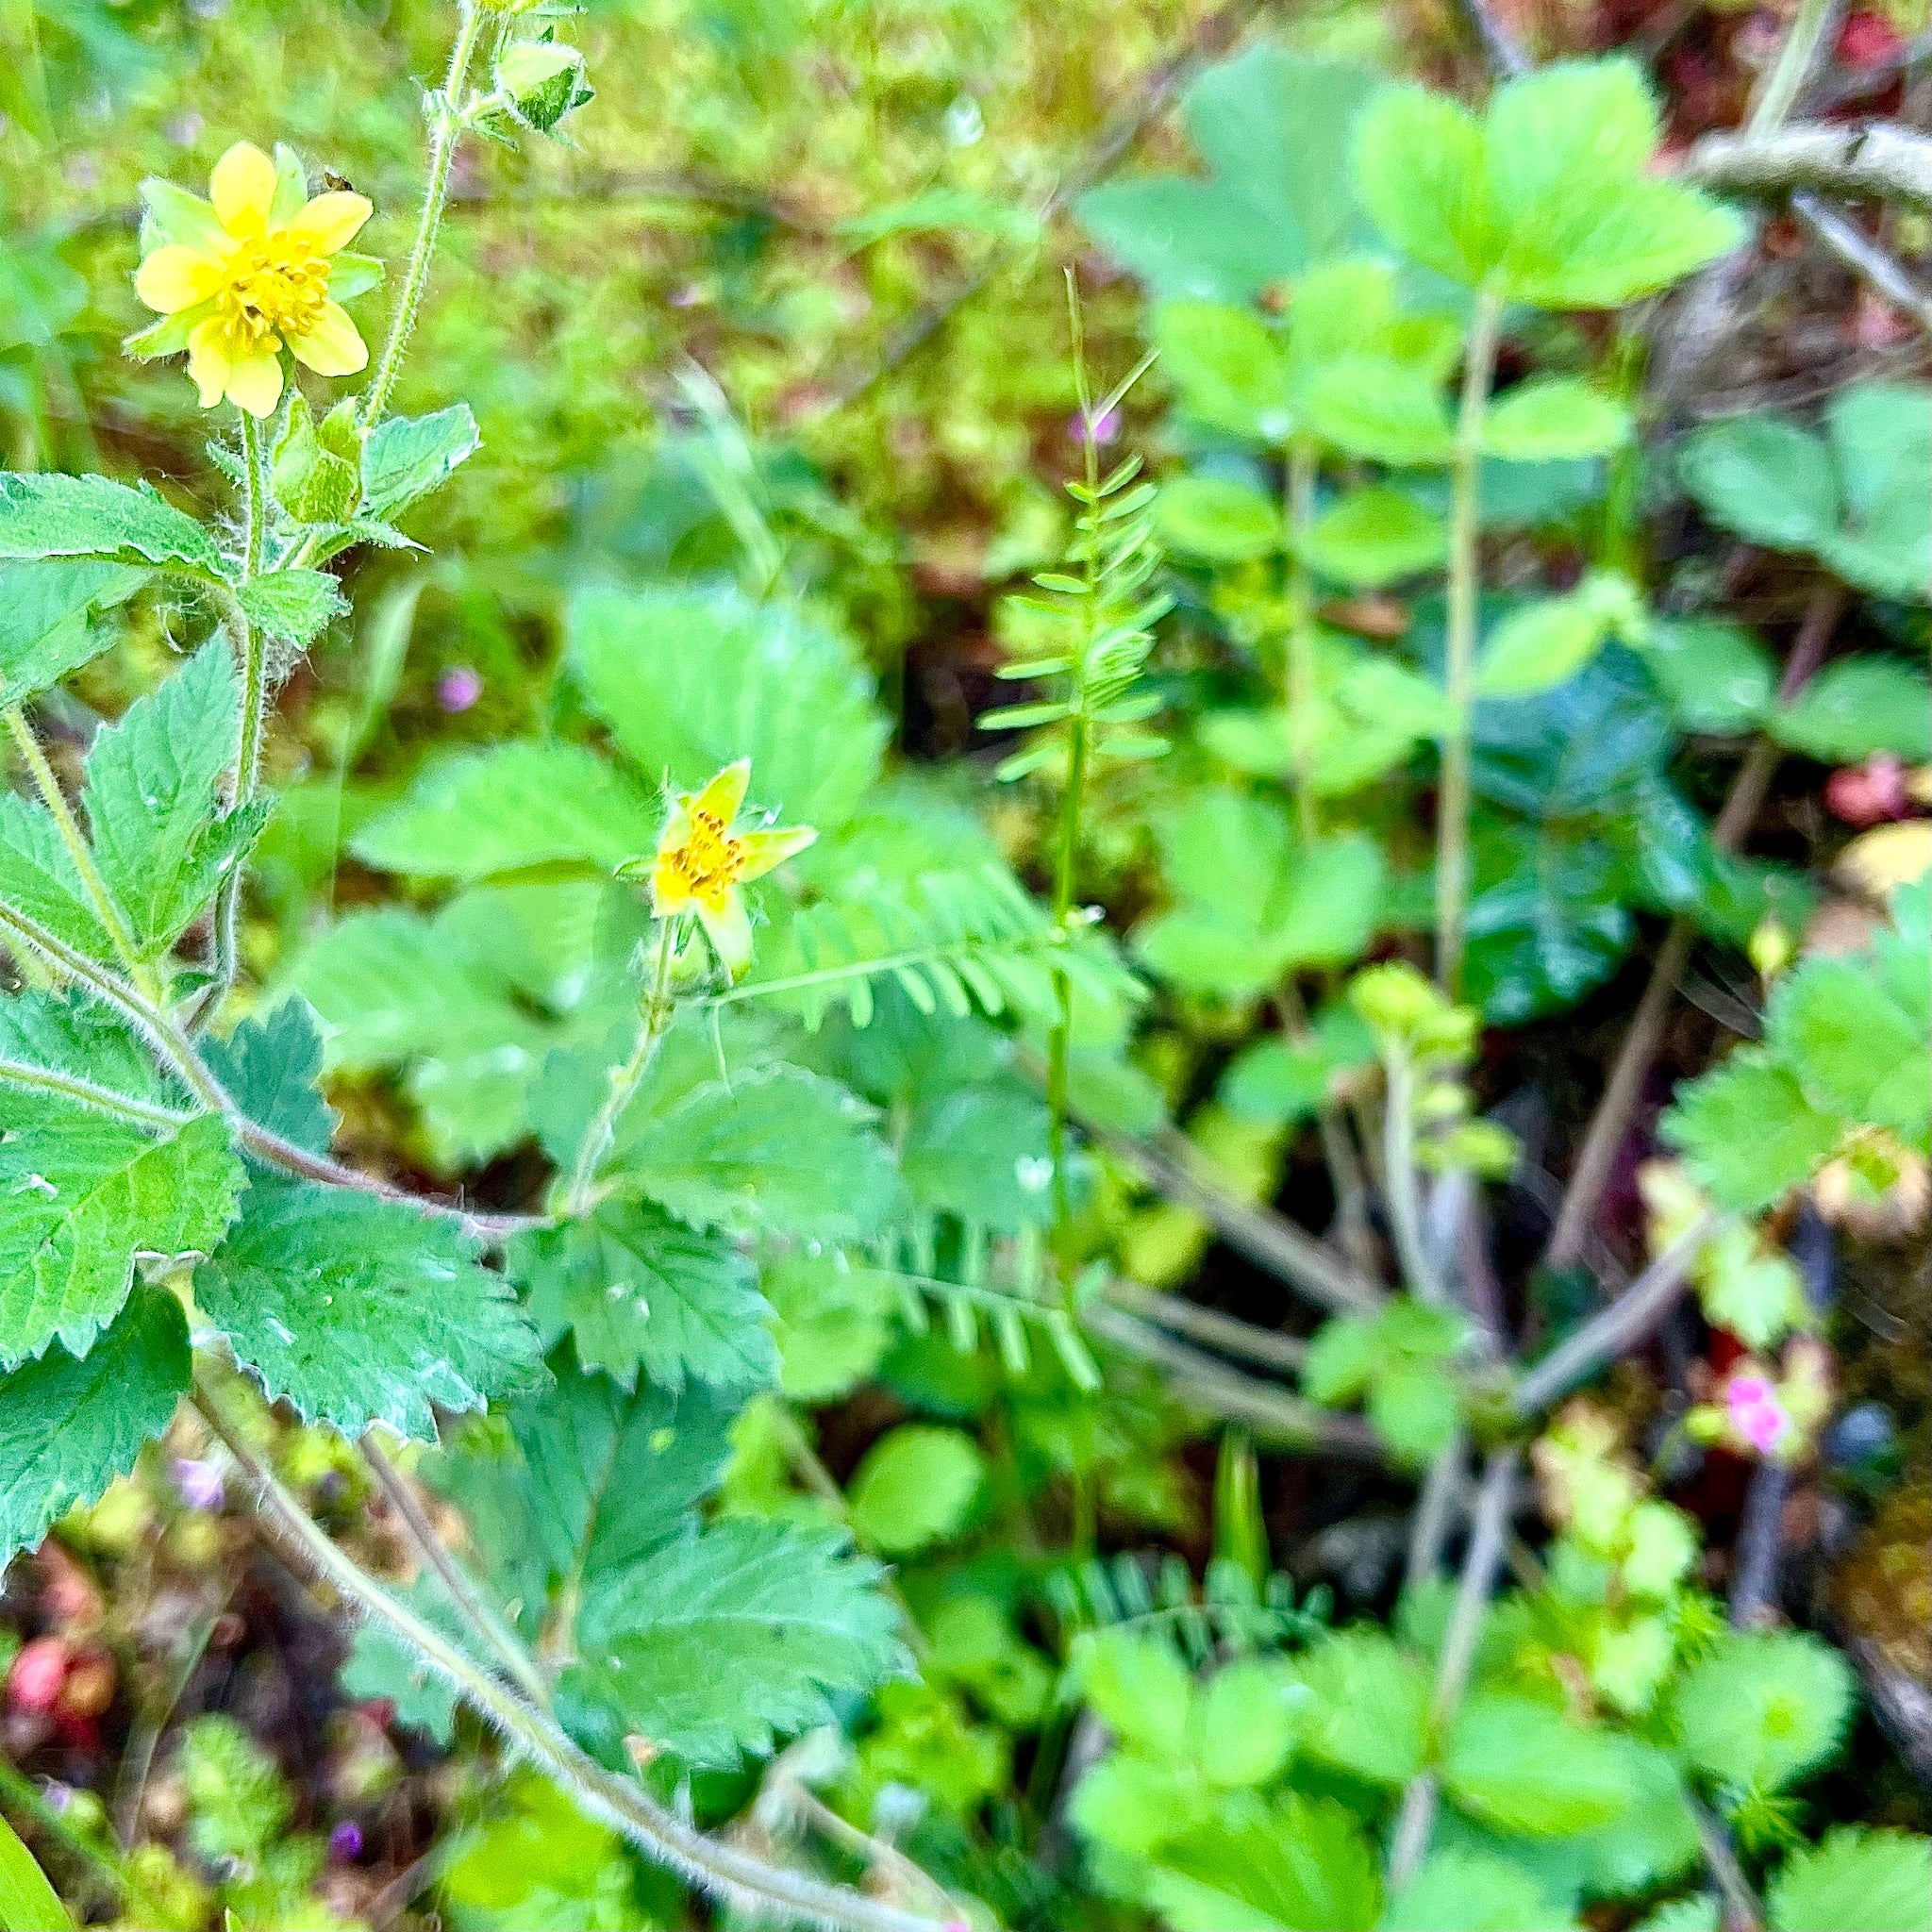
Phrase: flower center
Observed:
(710, 859)
(276, 286)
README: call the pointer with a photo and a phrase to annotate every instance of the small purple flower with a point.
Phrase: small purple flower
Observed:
(346, 1842)
(1756, 1414)
(200, 1483)
(1106, 427)
(459, 688)
(686, 295)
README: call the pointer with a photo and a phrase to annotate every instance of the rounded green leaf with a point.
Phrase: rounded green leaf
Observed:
(917, 1486)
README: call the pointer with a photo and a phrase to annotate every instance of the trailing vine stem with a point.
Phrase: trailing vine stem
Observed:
(442, 148)
(626, 1081)
(1465, 592)
(105, 910)
(533, 1734)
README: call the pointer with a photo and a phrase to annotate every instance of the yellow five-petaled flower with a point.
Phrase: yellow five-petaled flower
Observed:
(702, 861)
(256, 266)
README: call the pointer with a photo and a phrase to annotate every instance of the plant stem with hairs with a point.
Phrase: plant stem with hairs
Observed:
(626, 1081)
(719, 1868)
(1465, 593)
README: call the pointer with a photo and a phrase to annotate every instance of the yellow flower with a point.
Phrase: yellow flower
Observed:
(256, 266)
(702, 861)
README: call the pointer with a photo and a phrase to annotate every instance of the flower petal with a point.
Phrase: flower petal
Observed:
(207, 363)
(242, 189)
(331, 221)
(758, 852)
(728, 926)
(255, 382)
(671, 891)
(721, 797)
(332, 348)
(176, 278)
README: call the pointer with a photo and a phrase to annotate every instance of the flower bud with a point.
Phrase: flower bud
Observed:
(317, 475)
(542, 80)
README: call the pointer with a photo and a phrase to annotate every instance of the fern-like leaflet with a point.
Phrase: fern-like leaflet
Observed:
(958, 938)
(1226, 1612)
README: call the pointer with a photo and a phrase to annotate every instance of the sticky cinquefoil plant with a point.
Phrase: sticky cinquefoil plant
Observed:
(171, 1221)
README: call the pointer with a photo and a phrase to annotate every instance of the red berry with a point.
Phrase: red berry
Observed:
(38, 1672)
(1869, 39)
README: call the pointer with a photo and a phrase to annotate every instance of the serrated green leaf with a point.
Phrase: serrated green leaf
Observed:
(46, 515)
(1469, 1891)
(1421, 171)
(44, 632)
(1376, 407)
(1855, 1050)
(360, 1310)
(1762, 1707)
(270, 1066)
(1555, 416)
(1747, 1133)
(81, 1193)
(1297, 1865)
(1375, 536)
(407, 456)
(1879, 1881)
(1369, 1707)
(639, 1289)
(295, 605)
(471, 814)
(38, 877)
(916, 1485)
(688, 681)
(1216, 518)
(152, 783)
(1525, 1766)
(68, 1427)
(1855, 708)
(719, 1641)
(581, 1480)
(777, 1150)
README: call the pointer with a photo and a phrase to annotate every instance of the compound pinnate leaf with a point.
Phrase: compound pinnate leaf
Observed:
(777, 1150)
(720, 1641)
(688, 681)
(152, 782)
(477, 813)
(638, 1290)
(81, 1193)
(1747, 1132)
(44, 516)
(1763, 1708)
(1880, 1881)
(1525, 1766)
(69, 1426)
(360, 1310)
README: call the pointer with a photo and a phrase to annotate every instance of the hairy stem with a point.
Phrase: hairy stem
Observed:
(1622, 1326)
(532, 1734)
(484, 1624)
(1300, 693)
(442, 148)
(1399, 1180)
(626, 1081)
(1489, 1533)
(80, 851)
(254, 497)
(1465, 592)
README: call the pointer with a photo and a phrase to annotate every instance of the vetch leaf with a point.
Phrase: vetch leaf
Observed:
(48, 515)
(68, 1427)
(360, 1310)
(719, 1641)
(639, 1289)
